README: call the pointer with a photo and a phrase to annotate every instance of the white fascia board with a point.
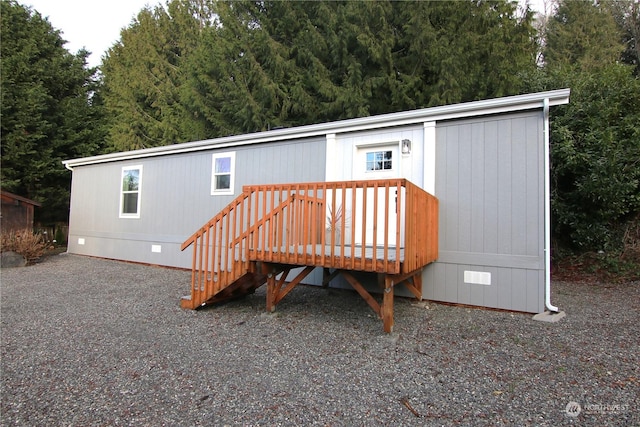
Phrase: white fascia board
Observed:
(445, 112)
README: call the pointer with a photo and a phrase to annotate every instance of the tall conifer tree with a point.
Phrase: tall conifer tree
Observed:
(143, 75)
(51, 110)
(595, 139)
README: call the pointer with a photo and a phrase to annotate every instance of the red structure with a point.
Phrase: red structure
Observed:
(16, 212)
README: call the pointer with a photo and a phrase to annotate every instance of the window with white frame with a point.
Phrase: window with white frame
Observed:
(379, 160)
(222, 173)
(130, 191)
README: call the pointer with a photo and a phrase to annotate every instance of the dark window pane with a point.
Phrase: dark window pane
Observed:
(130, 203)
(223, 182)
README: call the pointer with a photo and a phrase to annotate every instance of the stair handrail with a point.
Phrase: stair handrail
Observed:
(191, 239)
(208, 273)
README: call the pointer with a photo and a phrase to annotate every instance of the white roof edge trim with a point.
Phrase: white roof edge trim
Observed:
(445, 112)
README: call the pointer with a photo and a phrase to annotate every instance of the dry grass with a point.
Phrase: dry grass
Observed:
(25, 242)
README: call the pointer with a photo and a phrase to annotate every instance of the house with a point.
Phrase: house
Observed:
(16, 212)
(486, 162)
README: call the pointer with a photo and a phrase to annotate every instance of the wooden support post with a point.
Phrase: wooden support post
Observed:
(187, 303)
(280, 283)
(387, 305)
(281, 293)
(271, 292)
(327, 276)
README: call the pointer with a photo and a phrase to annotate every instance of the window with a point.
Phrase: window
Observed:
(130, 189)
(379, 161)
(223, 169)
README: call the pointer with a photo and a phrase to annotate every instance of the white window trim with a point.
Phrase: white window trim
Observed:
(375, 146)
(137, 214)
(429, 158)
(374, 151)
(230, 190)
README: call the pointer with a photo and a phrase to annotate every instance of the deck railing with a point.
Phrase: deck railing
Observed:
(386, 226)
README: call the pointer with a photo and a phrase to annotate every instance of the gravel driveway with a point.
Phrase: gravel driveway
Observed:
(96, 342)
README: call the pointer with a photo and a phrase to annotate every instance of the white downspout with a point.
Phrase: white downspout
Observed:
(547, 212)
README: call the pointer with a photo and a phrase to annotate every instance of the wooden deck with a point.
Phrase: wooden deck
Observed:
(350, 254)
(389, 227)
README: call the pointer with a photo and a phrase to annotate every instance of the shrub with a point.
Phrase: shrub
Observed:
(631, 242)
(595, 155)
(60, 238)
(25, 242)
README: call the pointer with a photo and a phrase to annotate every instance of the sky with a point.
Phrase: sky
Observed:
(96, 24)
(92, 24)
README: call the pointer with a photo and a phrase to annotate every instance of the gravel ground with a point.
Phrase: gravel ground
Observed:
(96, 342)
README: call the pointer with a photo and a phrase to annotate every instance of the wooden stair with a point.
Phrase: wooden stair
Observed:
(221, 268)
(269, 231)
(244, 286)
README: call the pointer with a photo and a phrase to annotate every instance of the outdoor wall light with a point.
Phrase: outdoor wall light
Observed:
(406, 146)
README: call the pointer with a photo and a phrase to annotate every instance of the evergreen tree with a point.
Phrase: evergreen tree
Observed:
(50, 110)
(627, 15)
(595, 139)
(462, 51)
(143, 76)
(595, 157)
(582, 33)
(290, 63)
(233, 83)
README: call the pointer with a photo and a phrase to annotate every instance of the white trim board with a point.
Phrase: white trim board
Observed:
(446, 112)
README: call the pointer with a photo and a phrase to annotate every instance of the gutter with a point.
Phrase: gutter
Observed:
(547, 212)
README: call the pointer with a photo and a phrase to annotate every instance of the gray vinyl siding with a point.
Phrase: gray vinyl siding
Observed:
(489, 181)
(488, 176)
(175, 198)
